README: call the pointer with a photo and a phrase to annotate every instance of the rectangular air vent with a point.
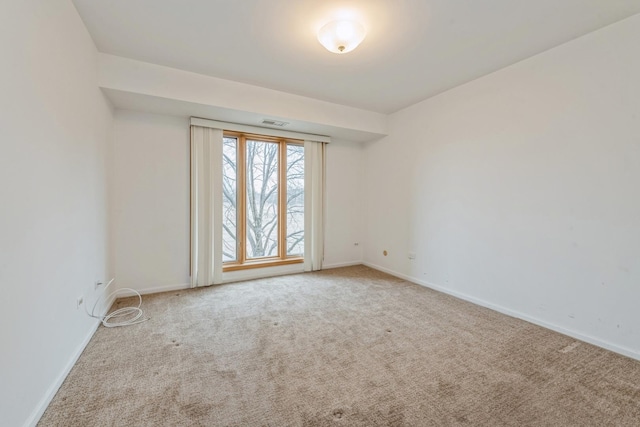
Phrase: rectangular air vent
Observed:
(270, 122)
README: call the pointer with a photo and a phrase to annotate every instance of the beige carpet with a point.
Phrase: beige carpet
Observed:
(344, 347)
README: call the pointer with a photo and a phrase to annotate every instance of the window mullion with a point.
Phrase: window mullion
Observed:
(242, 194)
(282, 200)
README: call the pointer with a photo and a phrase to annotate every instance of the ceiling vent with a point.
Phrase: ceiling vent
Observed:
(270, 122)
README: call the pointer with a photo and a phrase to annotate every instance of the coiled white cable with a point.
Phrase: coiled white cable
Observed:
(112, 320)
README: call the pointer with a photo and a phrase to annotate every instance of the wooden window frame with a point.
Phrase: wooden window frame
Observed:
(242, 262)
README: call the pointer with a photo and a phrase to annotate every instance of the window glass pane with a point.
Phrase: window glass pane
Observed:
(229, 199)
(295, 199)
(262, 199)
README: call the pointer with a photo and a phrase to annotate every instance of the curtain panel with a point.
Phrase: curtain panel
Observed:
(206, 199)
(314, 201)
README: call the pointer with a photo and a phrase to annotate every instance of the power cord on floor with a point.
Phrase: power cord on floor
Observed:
(113, 319)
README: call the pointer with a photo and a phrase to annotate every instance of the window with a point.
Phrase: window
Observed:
(263, 201)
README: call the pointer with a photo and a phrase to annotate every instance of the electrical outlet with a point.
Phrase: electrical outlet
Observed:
(79, 302)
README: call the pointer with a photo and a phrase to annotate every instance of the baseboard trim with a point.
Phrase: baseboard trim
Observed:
(513, 313)
(165, 288)
(42, 406)
(239, 278)
(341, 264)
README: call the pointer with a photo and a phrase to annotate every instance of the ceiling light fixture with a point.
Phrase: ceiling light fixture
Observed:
(341, 36)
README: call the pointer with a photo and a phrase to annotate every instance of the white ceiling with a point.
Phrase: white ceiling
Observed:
(414, 48)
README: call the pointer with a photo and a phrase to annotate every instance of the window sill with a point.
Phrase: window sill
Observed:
(261, 264)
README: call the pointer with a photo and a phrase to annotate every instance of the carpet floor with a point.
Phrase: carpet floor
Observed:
(344, 347)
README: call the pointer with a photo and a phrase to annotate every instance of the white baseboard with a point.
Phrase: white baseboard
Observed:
(341, 264)
(164, 288)
(246, 275)
(500, 309)
(32, 421)
(394, 273)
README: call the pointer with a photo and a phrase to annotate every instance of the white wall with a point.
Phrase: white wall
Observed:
(54, 128)
(150, 217)
(344, 220)
(151, 201)
(520, 190)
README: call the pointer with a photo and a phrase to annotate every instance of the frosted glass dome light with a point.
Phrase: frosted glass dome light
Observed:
(341, 36)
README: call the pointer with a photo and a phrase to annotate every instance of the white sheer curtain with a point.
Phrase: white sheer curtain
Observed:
(206, 202)
(314, 183)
